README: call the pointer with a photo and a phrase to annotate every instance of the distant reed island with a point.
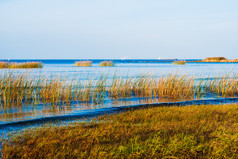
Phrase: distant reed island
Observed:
(179, 62)
(106, 63)
(24, 65)
(83, 63)
(216, 59)
(89, 63)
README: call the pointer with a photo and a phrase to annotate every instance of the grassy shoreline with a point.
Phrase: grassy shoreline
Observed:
(171, 132)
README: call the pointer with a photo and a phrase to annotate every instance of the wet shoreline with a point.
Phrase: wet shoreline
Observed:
(112, 110)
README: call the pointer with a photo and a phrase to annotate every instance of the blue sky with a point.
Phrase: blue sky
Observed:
(118, 28)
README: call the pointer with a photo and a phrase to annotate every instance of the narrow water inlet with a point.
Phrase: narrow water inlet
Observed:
(111, 110)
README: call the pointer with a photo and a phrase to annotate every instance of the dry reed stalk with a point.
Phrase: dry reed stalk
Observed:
(174, 86)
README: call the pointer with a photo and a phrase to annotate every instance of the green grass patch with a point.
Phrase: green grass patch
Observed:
(164, 132)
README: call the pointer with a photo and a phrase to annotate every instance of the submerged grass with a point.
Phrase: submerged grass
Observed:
(164, 132)
(21, 65)
(19, 89)
(83, 63)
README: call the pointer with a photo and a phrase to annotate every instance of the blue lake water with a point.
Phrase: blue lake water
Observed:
(65, 68)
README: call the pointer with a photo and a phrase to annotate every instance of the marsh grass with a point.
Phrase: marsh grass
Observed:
(164, 132)
(106, 63)
(226, 86)
(20, 89)
(25, 65)
(179, 63)
(83, 63)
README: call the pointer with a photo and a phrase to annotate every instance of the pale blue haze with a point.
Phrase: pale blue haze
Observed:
(114, 29)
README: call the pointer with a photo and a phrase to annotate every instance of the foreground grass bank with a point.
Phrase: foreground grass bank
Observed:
(170, 132)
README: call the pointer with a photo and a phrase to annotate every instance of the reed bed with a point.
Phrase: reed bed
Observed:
(179, 62)
(83, 63)
(106, 63)
(19, 89)
(25, 65)
(166, 132)
(226, 86)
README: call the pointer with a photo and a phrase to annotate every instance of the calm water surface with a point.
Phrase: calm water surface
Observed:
(134, 69)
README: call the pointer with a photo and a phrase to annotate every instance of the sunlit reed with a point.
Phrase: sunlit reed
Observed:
(19, 89)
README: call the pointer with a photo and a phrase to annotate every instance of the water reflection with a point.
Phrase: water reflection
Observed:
(26, 112)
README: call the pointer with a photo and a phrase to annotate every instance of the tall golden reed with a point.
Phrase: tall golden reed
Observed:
(21, 88)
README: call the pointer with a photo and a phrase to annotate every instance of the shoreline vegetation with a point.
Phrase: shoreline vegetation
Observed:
(83, 63)
(164, 132)
(23, 88)
(216, 59)
(23, 65)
